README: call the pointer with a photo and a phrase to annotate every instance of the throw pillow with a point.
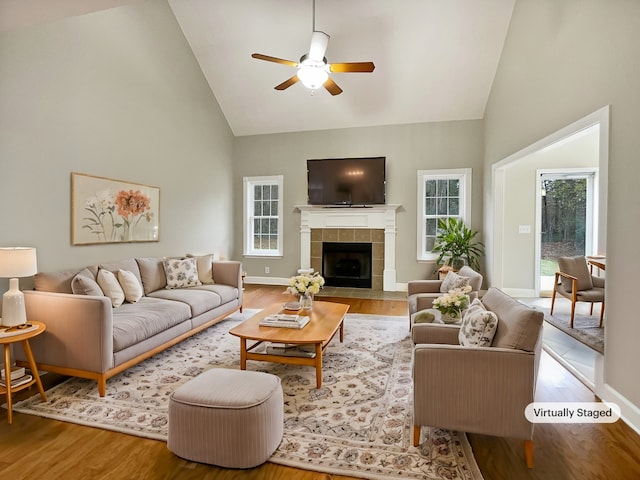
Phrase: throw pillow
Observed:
(453, 280)
(423, 316)
(110, 287)
(204, 264)
(478, 326)
(181, 273)
(130, 285)
(83, 285)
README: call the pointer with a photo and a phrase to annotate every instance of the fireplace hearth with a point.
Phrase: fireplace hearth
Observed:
(346, 264)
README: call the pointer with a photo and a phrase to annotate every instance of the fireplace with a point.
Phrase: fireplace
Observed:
(375, 225)
(347, 264)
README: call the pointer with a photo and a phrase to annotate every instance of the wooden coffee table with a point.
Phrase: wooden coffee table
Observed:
(326, 318)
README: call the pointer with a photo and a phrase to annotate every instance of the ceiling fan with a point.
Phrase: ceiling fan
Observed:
(313, 69)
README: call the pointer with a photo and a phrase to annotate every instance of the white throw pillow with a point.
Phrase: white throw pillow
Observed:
(204, 264)
(478, 326)
(130, 285)
(181, 273)
(453, 280)
(110, 287)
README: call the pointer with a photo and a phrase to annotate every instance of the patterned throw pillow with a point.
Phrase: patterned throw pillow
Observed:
(478, 326)
(453, 280)
(181, 273)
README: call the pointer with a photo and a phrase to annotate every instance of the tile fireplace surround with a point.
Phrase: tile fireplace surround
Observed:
(376, 224)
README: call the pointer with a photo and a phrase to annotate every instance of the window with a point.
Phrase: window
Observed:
(263, 215)
(441, 194)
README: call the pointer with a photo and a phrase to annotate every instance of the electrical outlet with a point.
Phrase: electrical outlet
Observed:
(266, 269)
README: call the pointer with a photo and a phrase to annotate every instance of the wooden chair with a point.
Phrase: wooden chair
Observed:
(575, 282)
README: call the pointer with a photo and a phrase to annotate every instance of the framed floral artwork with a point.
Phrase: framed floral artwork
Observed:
(104, 210)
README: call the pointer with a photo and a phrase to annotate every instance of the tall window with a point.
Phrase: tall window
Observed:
(263, 215)
(441, 194)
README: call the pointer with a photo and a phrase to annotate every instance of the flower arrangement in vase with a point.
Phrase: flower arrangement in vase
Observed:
(452, 303)
(305, 286)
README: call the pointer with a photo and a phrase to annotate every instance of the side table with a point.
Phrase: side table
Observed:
(6, 341)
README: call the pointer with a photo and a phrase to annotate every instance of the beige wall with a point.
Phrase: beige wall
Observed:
(118, 94)
(563, 60)
(519, 207)
(407, 148)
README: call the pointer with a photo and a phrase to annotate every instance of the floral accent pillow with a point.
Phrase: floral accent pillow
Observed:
(453, 280)
(181, 273)
(478, 326)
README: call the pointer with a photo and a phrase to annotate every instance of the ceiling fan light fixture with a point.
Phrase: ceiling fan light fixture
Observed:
(312, 74)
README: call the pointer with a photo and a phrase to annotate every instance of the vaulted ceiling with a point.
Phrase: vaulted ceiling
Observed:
(435, 59)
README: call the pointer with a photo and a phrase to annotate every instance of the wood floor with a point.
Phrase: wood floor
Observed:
(34, 447)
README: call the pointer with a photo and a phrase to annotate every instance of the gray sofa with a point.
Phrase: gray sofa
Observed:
(88, 337)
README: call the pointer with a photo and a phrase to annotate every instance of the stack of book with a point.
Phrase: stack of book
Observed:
(18, 376)
(285, 321)
(292, 350)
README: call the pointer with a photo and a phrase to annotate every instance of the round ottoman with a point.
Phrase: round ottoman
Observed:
(229, 418)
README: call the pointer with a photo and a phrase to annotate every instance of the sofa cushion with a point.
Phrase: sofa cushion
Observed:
(478, 326)
(453, 280)
(199, 301)
(519, 326)
(152, 274)
(205, 268)
(130, 285)
(181, 272)
(128, 264)
(226, 293)
(57, 282)
(111, 287)
(83, 285)
(135, 322)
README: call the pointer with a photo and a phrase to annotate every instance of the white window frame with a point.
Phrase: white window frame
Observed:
(464, 176)
(248, 203)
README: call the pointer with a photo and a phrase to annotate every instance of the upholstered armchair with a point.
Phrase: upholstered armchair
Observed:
(575, 282)
(422, 293)
(482, 390)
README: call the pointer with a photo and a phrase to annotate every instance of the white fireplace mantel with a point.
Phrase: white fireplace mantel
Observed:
(374, 217)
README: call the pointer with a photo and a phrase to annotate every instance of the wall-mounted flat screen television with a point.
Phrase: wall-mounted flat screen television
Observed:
(346, 181)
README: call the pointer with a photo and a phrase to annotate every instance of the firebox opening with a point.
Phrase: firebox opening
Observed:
(346, 264)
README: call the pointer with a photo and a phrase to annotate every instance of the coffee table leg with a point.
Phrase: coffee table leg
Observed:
(243, 354)
(318, 365)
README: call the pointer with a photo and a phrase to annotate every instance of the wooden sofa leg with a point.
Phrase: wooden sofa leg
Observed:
(416, 435)
(528, 452)
(102, 385)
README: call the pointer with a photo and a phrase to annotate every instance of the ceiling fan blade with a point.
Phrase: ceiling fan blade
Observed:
(319, 42)
(267, 58)
(287, 83)
(364, 67)
(332, 87)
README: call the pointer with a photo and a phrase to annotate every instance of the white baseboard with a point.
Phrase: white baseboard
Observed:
(520, 292)
(630, 413)
(267, 280)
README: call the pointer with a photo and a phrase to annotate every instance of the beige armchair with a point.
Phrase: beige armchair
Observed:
(479, 389)
(575, 282)
(422, 293)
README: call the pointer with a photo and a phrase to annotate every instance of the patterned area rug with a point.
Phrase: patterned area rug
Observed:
(359, 423)
(585, 329)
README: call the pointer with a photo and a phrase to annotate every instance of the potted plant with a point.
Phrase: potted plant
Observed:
(455, 242)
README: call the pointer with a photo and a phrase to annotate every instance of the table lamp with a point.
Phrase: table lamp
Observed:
(16, 262)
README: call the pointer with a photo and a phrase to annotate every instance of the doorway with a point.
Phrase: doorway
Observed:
(568, 219)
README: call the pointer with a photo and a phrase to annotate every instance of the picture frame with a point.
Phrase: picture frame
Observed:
(104, 210)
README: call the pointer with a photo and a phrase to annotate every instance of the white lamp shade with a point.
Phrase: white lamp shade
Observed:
(18, 262)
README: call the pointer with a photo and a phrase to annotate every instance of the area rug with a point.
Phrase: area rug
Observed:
(585, 329)
(358, 424)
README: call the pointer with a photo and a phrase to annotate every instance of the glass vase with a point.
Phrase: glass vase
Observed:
(306, 301)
